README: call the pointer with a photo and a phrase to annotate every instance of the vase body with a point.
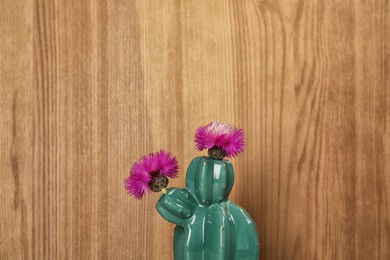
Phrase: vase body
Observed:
(209, 225)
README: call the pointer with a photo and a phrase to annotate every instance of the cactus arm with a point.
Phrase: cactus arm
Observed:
(247, 241)
(176, 206)
(210, 180)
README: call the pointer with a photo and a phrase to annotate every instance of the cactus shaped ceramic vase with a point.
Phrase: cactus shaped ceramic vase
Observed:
(209, 225)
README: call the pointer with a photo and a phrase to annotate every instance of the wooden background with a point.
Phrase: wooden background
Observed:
(87, 87)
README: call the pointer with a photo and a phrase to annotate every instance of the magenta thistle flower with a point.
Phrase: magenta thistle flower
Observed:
(220, 135)
(149, 169)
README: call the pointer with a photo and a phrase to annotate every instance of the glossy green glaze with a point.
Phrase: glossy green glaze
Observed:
(209, 225)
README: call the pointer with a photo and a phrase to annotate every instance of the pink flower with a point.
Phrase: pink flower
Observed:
(221, 135)
(141, 172)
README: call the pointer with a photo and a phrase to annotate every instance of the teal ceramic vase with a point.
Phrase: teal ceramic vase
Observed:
(208, 225)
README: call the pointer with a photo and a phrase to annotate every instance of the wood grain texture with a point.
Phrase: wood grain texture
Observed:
(89, 86)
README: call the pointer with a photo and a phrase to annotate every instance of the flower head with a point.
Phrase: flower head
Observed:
(220, 135)
(160, 165)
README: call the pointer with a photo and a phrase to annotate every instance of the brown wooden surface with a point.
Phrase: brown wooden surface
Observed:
(89, 86)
